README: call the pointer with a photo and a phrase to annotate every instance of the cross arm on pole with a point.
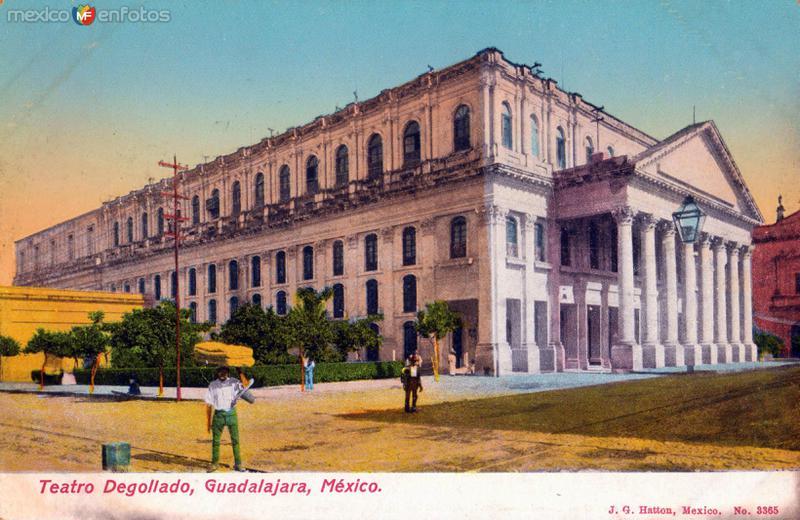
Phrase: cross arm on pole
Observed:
(174, 166)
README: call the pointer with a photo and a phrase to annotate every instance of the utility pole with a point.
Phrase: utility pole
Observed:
(175, 233)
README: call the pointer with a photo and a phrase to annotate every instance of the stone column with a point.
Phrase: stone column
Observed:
(652, 349)
(709, 348)
(751, 351)
(691, 350)
(553, 252)
(737, 347)
(626, 355)
(673, 353)
(529, 312)
(723, 347)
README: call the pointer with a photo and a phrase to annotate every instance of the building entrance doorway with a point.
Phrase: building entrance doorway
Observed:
(794, 348)
(594, 335)
(569, 332)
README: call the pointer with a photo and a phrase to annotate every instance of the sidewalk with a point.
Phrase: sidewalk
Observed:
(449, 387)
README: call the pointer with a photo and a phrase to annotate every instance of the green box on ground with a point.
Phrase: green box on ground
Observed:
(116, 456)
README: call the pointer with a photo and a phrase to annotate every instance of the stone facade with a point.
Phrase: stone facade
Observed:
(776, 267)
(482, 184)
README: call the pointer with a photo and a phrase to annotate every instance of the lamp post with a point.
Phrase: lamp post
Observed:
(689, 220)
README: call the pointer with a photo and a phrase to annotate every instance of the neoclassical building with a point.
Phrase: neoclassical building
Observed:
(543, 220)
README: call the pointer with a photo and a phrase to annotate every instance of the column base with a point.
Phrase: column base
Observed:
(738, 353)
(540, 359)
(626, 357)
(558, 355)
(709, 353)
(673, 355)
(693, 354)
(724, 353)
(751, 352)
(486, 363)
(653, 355)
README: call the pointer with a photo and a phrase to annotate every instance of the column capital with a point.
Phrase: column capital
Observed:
(704, 240)
(623, 215)
(746, 251)
(648, 221)
(733, 248)
(493, 214)
(717, 243)
(667, 227)
(530, 221)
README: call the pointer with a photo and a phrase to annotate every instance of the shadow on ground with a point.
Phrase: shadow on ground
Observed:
(757, 408)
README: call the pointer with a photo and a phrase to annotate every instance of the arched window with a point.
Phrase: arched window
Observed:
(160, 221)
(512, 236)
(280, 303)
(373, 353)
(280, 267)
(259, 193)
(312, 170)
(173, 285)
(409, 293)
(193, 312)
(192, 282)
(126, 287)
(589, 149)
(342, 166)
(375, 156)
(372, 297)
(233, 304)
(338, 301)
(233, 275)
(113, 287)
(411, 144)
(508, 140)
(212, 311)
(212, 278)
(129, 230)
(338, 258)
(461, 129)
(157, 286)
(116, 234)
(458, 237)
(141, 286)
(195, 210)
(611, 151)
(145, 230)
(255, 271)
(409, 338)
(409, 246)
(212, 204)
(284, 179)
(561, 148)
(534, 136)
(308, 263)
(539, 251)
(371, 252)
(236, 198)
(256, 299)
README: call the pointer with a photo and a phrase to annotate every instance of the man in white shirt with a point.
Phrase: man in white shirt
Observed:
(221, 399)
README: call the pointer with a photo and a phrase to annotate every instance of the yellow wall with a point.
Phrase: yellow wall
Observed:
(25, 309)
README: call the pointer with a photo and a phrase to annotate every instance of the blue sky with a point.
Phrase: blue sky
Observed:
(90, 110)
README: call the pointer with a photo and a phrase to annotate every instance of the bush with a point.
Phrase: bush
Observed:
(265, 375)
(768, 343)
(49, 379)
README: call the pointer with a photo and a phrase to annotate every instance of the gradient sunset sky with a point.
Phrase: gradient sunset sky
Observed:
(88, 111)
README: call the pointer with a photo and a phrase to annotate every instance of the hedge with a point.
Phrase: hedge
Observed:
(49, 379)
(264, 375)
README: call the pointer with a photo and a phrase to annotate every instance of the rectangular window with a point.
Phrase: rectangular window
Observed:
(594, 246)
(797, 283)
(70, 247)
(566, 258)
(539, 242)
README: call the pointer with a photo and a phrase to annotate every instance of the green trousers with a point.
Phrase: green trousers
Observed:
(218, 423)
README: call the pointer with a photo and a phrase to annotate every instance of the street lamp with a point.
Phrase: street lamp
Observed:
(689, 220)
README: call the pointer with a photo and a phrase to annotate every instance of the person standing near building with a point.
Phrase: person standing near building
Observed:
(221, 398)
(413, 381)
(310, 373)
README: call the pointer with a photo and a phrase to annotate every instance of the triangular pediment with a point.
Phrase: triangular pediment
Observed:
(697, 159)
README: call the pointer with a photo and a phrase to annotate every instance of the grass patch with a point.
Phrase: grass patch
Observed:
(759, 408)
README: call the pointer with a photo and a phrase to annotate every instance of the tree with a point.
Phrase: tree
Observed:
(354, 335)
(90, 342)
(146, 338)
(8, 347)
(250, 325)
(59, 344)
(768, 343)
(307, 327)
(435, 322)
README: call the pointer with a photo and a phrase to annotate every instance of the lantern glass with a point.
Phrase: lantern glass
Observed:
(689, 220)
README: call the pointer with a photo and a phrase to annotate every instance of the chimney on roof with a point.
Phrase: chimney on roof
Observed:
(780, 210)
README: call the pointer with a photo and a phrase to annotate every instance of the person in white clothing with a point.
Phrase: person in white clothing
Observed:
(221, 398)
